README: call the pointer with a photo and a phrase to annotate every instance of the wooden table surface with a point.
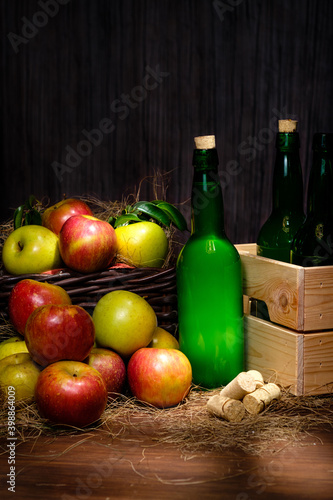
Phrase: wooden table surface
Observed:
(93, 465)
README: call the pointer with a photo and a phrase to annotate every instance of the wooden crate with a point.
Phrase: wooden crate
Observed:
(298, 297)
(302, 362)
(294, 348)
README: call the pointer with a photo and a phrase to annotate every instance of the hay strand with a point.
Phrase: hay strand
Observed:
(189, 426)
(106, 209)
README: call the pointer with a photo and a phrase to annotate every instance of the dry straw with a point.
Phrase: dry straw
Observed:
(104, 209)
(189, 426)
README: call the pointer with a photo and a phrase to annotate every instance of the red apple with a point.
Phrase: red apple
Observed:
(161, 377)
(29, 294)
(71, 393)
(55, 333)
(111, 366)
(54, 217)
(87, 244)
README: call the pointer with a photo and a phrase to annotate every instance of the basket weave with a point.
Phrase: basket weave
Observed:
(157, 286)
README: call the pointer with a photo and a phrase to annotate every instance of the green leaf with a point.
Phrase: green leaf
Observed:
(31, 202)
(33, 217)
(111, 221)
(27, 213)
(123, 220)
(153, 211)
(175, 215)
(18, 216)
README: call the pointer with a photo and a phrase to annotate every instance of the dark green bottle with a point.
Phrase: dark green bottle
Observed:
(277, 233)
(313, 243)
(209, 282)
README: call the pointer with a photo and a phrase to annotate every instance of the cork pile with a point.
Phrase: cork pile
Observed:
(246, 393)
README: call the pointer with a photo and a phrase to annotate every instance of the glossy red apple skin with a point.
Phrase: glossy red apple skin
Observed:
(112, 368)
(71, 393)
(87, 244)
(161, 377)
(55, 332)
(27, 295)
(55, 216)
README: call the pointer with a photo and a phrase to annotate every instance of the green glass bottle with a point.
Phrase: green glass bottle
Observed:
(313, 243)
(277, 233)
(209, 282)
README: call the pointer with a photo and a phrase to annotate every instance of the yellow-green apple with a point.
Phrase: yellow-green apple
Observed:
(124, 322)
(12, 345)
(142, 244)
(31, 249)
(87, 244)
(161, 377)
(71, 393)
(55, 216)
(27, 295)
(112, 368)
(163, 339)
(58, 332)
(19, 371)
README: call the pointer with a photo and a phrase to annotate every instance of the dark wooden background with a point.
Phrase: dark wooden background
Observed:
(228, 67)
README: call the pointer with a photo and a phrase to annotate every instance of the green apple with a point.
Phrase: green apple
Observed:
(12, 346)
(142, 244)
(162, 339)
(20, 372)
(124, 322)
(31, 249)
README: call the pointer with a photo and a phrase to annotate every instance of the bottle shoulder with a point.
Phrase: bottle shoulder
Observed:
(280, 226)
(313, 245)
(315, 227)
(212, 247)
(279, 213)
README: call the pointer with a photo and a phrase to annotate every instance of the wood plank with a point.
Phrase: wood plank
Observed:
(274, 351)
(318, 362)
(318, 298)
(69, 74)
(296, 297)
(247, 248)
(301, 361)
(279, 285)
(133, 466)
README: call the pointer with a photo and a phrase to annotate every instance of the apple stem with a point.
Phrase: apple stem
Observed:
(20, 245)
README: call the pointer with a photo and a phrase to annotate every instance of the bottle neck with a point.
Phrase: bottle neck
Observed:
(207, 200)
(320, 188)
(287, 179)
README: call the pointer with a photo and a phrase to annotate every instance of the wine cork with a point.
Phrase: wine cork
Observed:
(241, 385)
(258, 378)
(288, 125)
(205, 142)
(229, 409)
(258, 400)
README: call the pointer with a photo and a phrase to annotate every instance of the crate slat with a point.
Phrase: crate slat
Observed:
(273, 351)
(318, 362)
(296, 297)
(302, 362)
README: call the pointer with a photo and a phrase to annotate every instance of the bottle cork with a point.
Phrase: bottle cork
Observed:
(229, 409)
(257, 376)
(205, 142)
(258, 400)
(241, 385)
(288, 125)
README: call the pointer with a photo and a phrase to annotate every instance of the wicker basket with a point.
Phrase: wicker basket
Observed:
(157, 286)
